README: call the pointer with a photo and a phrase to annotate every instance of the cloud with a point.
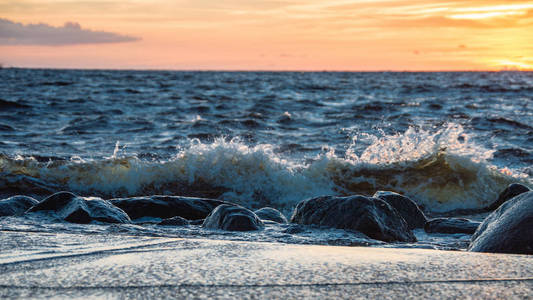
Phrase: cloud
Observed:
(12, 33)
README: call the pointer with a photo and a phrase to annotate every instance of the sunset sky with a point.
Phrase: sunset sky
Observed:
(268, 35)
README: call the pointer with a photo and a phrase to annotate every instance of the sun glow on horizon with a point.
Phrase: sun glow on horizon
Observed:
(270, 35)
(507, 64)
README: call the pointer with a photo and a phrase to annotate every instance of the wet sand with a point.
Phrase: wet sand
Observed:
(40, 265)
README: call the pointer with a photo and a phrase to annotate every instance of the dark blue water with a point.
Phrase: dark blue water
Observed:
(449, 140)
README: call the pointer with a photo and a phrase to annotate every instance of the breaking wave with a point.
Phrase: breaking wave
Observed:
(440, 169)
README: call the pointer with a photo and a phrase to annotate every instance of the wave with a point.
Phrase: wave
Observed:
(441, 170)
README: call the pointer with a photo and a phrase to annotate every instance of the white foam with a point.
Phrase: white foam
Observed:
(440, 169)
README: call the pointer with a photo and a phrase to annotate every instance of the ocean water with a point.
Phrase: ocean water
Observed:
(449, 140)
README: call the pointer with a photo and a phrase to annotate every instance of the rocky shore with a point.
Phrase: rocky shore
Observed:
(385, 218)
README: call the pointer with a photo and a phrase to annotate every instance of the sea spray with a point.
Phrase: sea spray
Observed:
(442, 170)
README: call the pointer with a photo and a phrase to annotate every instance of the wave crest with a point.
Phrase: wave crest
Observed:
(441, 170)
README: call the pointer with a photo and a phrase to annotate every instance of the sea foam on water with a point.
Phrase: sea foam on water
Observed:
(441, 170)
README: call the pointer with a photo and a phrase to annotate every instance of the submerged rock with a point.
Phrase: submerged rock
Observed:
(271, 214)
(232, 218)
(371, 216)
(16, 205)
(451, 225)
(408, 209)
(514, 189)
(509, 229)
(165, 207)
(75, 209)
(174, 221)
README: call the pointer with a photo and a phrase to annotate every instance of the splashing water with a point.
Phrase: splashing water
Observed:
(441, 170)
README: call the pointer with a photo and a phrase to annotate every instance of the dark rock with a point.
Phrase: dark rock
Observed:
(451, 225)
(508, 229)
(104, 211)
(232, 218)
(16, 205)
(371, 216)
(196, 222)
(165, 207)
(514, 189)
(271, 214)
(174, 221)
(293, 229)
(407, 208)
(75, 209)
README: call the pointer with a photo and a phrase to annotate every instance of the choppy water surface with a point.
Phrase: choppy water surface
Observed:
(448, 140)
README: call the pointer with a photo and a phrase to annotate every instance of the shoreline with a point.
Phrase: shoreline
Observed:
(136, 267)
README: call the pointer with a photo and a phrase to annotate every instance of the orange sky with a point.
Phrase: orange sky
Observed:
(280, 35)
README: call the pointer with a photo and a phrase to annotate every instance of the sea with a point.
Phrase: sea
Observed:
(450, 141)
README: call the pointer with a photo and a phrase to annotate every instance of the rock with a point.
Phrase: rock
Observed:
(407, 208)
(451, 225)
(165, 207)
(371, 216)
(514, 189)
(198, 222)
(104, 211)
(293, 229)
(508, 229)
(75, 209)
(232, 218)
(174, 221)
(16, 205)
(271, 214)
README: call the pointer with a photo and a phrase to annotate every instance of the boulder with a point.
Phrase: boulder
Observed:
(104, 211)
(174, 221)
(271, 214)
(165, 207)
(451, 225)
(406, 207)
(508, 229)
(75, 209)
(514, 189)
(232, 218)
(371, 216)
(16, 205)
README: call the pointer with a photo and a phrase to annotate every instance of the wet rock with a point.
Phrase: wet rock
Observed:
(75, 209)
(16, 205)
(451, 225)
(514, 189)
(104, 211)
(293, 229)
(271, 214)
(174, 221)
(198, 222)
(371, 216)
(408, 209)
(508, 229)
(232, 218)
(165, 207)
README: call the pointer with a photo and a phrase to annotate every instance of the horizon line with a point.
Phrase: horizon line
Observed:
(265, 70)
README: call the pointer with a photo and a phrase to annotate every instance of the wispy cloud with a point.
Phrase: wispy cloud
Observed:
(13, 33)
